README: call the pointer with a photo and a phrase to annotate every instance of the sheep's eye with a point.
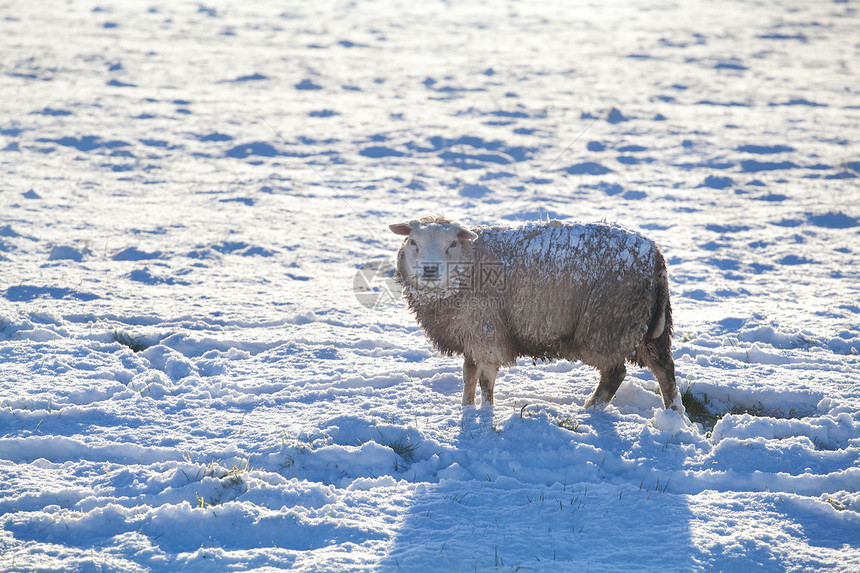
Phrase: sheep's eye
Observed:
(413, 243)
(452, 245)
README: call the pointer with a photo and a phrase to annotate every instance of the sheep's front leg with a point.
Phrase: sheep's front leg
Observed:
(470, 381)
(610, 380)
(487, 378)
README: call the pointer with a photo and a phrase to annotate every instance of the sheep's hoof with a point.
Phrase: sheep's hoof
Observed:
(677, 405)
(597, 402)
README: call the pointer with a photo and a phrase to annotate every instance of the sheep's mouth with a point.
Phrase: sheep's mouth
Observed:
(431, 282)
(430, 275)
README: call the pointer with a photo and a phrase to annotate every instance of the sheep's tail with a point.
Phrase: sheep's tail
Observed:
(660, 328)
(655, 352)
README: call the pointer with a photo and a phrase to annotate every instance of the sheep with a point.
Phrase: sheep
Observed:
(596, 292)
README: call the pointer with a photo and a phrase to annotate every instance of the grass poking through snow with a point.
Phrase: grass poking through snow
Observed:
(701, 410)
(134, 344)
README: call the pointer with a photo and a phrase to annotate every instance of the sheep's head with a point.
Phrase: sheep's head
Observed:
(434, 254)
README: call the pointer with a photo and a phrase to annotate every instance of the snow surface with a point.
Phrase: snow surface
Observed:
(276, 420)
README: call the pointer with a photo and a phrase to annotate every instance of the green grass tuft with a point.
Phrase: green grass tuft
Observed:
(571, 424)
(403, 447)
(699, 409)
(134, 344)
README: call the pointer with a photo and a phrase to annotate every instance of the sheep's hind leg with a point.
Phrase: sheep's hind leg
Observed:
(470, 381)
(487, 378)
(663, 367)
(610, 380)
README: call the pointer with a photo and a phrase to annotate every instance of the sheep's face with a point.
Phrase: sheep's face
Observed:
(433, 256)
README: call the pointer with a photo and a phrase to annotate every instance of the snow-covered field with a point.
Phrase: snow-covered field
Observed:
(211, 183)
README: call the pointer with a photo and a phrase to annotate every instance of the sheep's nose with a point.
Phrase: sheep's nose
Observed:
(431, 270)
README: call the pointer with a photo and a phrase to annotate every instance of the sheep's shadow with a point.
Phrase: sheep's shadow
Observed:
(526, 492)
(476, 420)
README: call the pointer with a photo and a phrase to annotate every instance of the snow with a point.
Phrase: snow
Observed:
(590, 249)
(203, 182)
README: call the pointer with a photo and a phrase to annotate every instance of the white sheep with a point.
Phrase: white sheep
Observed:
(594, 292)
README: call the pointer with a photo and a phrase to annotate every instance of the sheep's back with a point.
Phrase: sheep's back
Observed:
(572, 290)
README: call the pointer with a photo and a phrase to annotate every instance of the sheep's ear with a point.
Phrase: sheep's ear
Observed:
(400, 228)
(466, 235)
